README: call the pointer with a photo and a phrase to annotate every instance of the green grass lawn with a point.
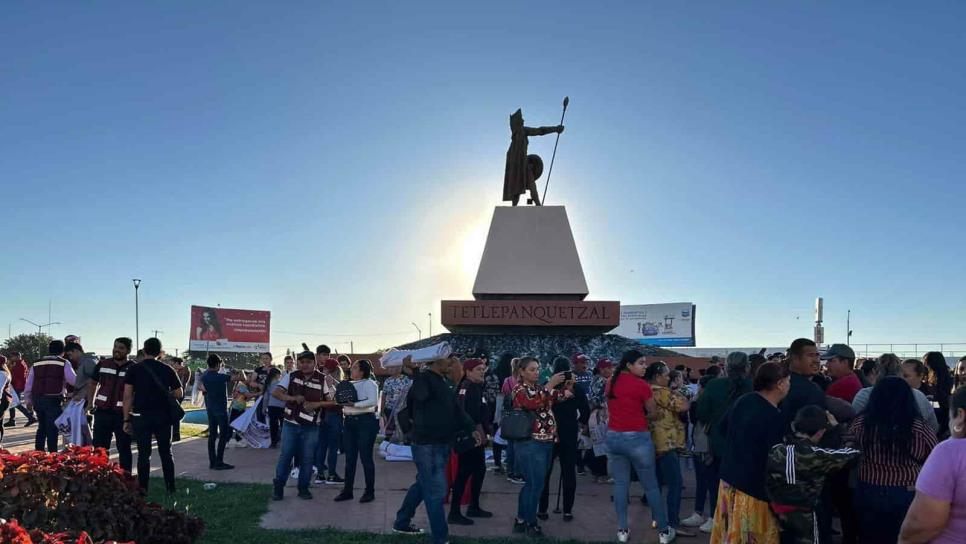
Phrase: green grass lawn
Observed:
(232, 512)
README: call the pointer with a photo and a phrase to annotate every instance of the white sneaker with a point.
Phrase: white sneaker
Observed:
(623, 535)
(667, 536)
(707, 526)
(694, 520)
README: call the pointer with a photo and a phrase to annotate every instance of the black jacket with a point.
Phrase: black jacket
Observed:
(473, 400)
(437, 418)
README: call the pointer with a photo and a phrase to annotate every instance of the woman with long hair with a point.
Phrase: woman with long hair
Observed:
(571, 414)
(209, 328)
(668, 435)
(533, 455)
(719, 395)
(895, 442)
(938, 511)
(752, 426)
(361, 427)
(629, 402)
(941, 386)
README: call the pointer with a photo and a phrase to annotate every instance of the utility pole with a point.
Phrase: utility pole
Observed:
(137, 326)
(157, 332)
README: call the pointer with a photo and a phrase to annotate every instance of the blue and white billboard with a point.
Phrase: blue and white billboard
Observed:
(658, 324)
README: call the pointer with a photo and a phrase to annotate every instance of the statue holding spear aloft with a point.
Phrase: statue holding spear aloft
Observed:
(522, 170)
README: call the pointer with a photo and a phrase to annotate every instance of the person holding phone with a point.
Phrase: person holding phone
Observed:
(534, 455)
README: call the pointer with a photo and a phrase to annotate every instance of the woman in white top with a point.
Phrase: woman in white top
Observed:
(359, 433)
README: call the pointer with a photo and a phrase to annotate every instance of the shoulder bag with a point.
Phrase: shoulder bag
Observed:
(175, 411)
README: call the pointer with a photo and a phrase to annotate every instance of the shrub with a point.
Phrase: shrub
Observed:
(80, 490)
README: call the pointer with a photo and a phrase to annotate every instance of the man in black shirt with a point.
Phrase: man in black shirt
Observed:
(472, 463)
(146, 413)
(804, 363)
(436, 419)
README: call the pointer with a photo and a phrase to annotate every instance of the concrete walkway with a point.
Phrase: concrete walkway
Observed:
(594, 517)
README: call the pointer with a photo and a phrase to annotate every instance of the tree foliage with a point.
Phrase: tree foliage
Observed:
(31, 346)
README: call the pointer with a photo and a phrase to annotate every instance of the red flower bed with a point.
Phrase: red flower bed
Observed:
(78, 496)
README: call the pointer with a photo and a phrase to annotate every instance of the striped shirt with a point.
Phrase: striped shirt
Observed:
(879, 466)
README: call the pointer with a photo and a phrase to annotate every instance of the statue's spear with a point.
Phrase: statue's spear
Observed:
(566, 101)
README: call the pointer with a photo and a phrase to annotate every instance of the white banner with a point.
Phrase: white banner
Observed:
(658, 324)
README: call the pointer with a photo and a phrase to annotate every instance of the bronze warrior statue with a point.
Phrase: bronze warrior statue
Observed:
(522, 170)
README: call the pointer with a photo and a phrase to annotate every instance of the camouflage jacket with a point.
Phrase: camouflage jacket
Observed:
(797, 468)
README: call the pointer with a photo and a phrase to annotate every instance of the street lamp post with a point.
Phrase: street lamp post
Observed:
(40, 328)
(137, 329)
(418, 330)
(430, 324)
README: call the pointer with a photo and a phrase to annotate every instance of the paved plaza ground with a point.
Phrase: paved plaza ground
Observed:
(595, 520)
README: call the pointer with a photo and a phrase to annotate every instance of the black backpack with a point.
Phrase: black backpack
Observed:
(345, 393)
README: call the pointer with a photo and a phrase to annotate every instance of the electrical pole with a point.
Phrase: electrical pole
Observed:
(157, 332)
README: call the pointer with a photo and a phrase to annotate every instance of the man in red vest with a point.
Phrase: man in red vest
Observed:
(109, 375)
(18, 381)
(46, 383)
(302, 392)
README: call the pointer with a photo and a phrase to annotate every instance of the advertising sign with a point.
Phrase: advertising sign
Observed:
(658, 324)
(227, 329)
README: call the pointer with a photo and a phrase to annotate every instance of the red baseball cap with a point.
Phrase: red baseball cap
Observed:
(580, 358)
(605, 362)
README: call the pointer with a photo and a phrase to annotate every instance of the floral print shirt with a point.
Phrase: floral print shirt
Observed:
(596, 398)
(394, 388)
(667, 429)
(539, 402)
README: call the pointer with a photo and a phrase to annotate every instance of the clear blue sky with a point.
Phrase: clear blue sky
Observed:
(337, 163)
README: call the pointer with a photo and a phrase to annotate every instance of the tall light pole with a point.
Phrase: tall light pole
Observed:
(40, 328)
(430, 324)
(137, 317)
(418, 330)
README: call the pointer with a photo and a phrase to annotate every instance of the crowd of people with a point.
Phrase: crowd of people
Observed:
(801, 446)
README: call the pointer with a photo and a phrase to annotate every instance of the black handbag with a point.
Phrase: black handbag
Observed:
(345, 393)
(517, 425)
(175, 411)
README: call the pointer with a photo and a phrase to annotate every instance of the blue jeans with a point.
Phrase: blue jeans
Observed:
(881, 510)
(330, 440)
(670, 468)
(511, 459)
(301, 439)
(533, 459)
(625, 450)
(430, 488)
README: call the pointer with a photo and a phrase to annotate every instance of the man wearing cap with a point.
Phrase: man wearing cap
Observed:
(18, 382)
(840, 360)
(582, 376)
(44, 392)
(302, 392)
(796, 472)
(472, 463)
